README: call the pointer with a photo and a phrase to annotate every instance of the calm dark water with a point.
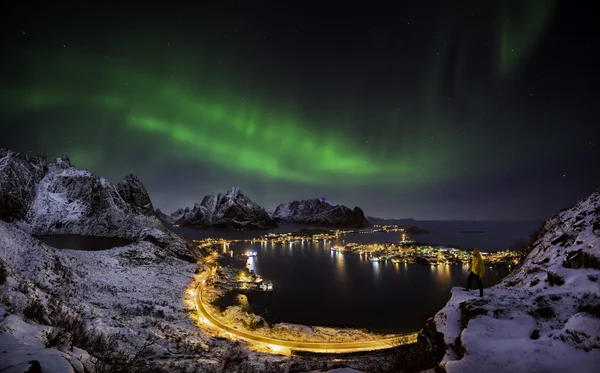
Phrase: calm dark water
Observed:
(315, 286)
(80, 242)
(486, 235)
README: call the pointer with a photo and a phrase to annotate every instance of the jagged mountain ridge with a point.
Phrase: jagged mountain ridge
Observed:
(544, 316)
(231, 210)
(44, 197)
(319, 211)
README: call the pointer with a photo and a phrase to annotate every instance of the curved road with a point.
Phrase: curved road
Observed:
(280, 345)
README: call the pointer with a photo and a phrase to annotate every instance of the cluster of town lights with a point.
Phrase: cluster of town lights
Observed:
(404, 251)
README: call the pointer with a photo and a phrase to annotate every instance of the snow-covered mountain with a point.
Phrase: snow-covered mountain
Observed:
(320, 211)
(44, 197)
(543, 317)
(231, 210)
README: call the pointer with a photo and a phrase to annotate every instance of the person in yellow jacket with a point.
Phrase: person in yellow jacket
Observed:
(477, 271)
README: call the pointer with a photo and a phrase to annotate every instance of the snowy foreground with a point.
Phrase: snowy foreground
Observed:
(128, 309)
(134, 292)
(120, 310)
(545, 316)
(125, 309)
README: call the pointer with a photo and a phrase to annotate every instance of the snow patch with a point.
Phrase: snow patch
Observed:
(536, 319)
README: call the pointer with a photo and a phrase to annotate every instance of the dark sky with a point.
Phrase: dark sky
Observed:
(424, 109)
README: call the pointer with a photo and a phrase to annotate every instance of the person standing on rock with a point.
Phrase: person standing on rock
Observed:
(477, 270)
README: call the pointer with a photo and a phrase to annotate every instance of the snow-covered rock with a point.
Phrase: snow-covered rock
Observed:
(231, 210)
(19, 176)
(57, 198)
(319, 211)
(133, 293)
(544, 316)
(134, 194)
(22, 349)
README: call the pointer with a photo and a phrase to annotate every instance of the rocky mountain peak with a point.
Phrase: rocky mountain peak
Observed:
(319, 211)
(229, 210)
(163, 217)
(19, 176)
(134, 193)
(64, 161)
(57, 198)
(234, 192)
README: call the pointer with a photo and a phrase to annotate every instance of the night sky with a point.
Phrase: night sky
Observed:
(456, 110)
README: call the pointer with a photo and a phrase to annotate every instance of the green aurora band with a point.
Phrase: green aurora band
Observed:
(169, 106)
(524, 26)
(220, 129)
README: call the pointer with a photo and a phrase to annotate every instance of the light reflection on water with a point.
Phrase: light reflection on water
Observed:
(318, 286)
(339, 264)
(252, 264)
(376, 266)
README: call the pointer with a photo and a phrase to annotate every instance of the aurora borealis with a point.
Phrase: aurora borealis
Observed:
(431, 111)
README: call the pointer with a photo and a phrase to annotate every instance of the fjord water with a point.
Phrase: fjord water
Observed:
(316, 286)
(313, 285)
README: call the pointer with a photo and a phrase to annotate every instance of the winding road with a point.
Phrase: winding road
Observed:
(279, 345)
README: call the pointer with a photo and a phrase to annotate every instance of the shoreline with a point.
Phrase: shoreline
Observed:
(224, 279)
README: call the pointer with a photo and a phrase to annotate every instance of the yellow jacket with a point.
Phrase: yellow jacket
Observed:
(477, 266)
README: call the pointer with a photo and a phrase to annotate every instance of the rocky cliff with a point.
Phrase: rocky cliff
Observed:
(319, 211)
(19, 176)
(543, 317)
(232, 210)
(166, 219)
(56, 198)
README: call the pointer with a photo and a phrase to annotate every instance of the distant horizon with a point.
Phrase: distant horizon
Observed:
(463, 220)
(171, 210)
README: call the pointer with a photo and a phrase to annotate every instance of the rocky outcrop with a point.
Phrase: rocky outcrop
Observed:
(320, 212)
(402, 222)
(164, 218)
(134, 194)
(542, 317)
(57, 198)
(19, 175)
(232, 210)
(415, 230)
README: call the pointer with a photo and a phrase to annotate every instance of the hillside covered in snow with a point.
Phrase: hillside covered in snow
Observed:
(130, 308)
(543, 317)
(232, 210)
(319, 211)
(44, 197)
(125, 309)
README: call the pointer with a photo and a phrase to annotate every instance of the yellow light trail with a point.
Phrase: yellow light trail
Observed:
(283, 346)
